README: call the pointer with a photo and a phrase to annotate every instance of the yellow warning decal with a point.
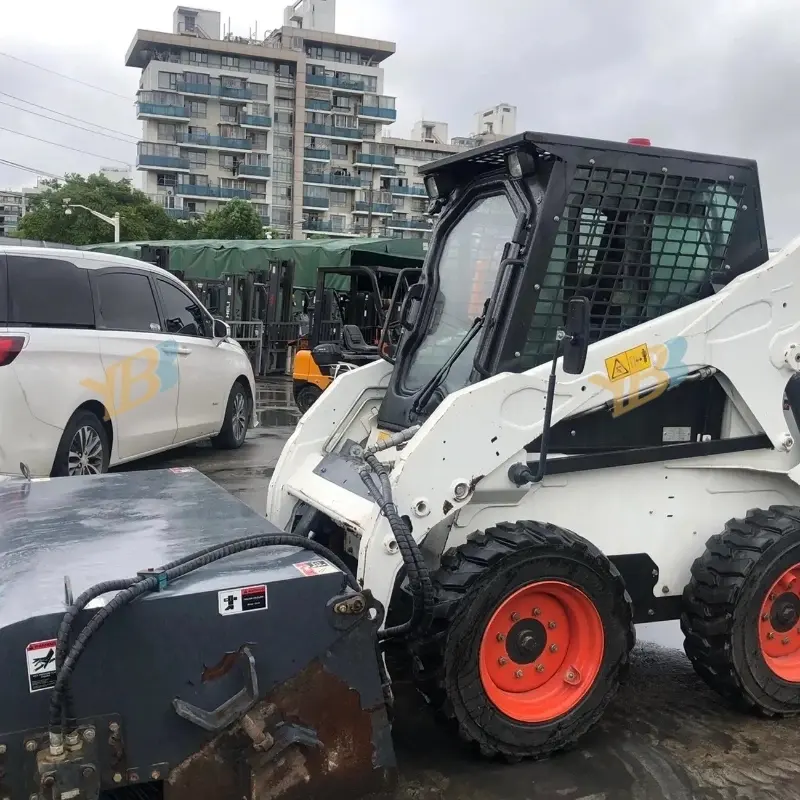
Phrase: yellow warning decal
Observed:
(620, 366)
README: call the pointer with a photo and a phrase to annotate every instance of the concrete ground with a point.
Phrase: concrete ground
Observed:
(665, 735)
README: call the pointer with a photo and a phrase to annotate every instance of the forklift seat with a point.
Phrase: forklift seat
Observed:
(353, 341)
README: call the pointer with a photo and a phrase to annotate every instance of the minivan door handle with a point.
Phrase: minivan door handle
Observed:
(177, 350)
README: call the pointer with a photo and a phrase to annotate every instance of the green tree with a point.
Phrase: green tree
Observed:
(139, 218)
(237, 219)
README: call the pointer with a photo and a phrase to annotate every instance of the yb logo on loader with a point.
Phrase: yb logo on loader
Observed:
(134, 380)
(642, 374)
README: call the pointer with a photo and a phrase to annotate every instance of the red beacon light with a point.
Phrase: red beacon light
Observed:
(642, 141)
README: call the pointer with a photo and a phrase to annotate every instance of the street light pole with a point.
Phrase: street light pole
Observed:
(113, 221)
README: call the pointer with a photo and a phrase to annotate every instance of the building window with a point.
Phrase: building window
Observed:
(337, 221)
(197, 158)
(198, 109)
(339, 150)
(338, 199)
(260, 91)
(198, 78)
(230, 62)
(169, 179)
(228, 113)
(258, 141)
(196, 57)
(167, 80)
(166, 131)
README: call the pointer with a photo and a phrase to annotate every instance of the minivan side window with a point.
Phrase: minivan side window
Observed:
(48, 293)
(182, 315)
(126, 302)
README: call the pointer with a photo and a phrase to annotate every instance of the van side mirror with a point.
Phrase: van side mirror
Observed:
(576, 336)
(221, 329)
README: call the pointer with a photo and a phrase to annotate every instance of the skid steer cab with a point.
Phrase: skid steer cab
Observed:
(518, 510)
(354, 321)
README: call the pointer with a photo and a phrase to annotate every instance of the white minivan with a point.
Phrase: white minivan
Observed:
(105, 359)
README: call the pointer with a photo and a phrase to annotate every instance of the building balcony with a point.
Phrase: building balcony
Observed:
(255, 121)
(312, 104)
(327, 179)
(253, 171)
(316, 202)
(183, 213)
(161, 163)
(335, 83)
(410, 224)
(218, 192)
(416, 191)
(215, 142)
(332, 132)
(374, 112)
(155, 111)
(363, 207)
(214, 90)
(314, 154)
(370, 160)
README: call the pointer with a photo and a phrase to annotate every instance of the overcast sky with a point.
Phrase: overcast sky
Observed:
(711, 75)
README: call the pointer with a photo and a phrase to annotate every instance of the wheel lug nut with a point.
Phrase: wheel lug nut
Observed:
(553, 648)
(570, 676)
(770, 635)
(771, 595)
(502, 661)
(785, 640)
(537, 612)
(764, 617)
(518, 673)
(501, 637)
(515, 616)
(551, 625)
(540, 667)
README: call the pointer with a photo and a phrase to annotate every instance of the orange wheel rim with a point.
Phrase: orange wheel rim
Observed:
(779, 626)
(541, 651)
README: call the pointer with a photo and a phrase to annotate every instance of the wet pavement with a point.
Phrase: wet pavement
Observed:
(665, 735)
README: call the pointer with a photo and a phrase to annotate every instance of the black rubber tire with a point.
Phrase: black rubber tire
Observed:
(80, 419)
(722, 603)
(470, 583)
(306, 396)
(227, 438)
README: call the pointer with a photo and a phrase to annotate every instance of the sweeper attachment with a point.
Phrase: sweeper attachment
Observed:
(245, 669)
(584, 429)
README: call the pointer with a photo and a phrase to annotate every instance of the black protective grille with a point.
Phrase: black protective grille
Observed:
(637, 245)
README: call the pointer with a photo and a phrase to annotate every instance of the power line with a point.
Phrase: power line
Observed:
(66, 77)
(68, 116)
(64, 122)
(66, 146)
(14, 165)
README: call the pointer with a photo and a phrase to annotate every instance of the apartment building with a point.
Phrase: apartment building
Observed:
(13, 205)
(227, 116)
(294, 122)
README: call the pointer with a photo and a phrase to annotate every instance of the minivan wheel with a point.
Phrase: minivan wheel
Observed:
(84, 448)
(237, 419)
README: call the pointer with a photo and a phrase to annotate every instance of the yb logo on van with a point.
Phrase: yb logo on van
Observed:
(643, 373)
(134, 380)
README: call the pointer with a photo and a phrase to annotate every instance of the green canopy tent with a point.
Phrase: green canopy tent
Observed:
(214, 258)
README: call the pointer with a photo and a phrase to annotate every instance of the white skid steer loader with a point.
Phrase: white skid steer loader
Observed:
(589, 423)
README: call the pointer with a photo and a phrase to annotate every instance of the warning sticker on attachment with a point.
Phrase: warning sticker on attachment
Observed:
(637, 359)
(41, 660)
(317, 567)
(242, 600)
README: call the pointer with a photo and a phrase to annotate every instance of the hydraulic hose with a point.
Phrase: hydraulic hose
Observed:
(158, 580)
(65, 628)
(416, 568)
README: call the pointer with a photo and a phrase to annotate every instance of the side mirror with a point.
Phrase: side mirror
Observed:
(576, 336)
(221, 329)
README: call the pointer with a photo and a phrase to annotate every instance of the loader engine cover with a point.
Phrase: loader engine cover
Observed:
(256, 676)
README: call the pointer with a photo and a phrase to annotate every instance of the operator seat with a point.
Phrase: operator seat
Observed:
(353, 341)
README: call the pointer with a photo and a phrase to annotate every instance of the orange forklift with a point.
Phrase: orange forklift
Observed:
(354, 320)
